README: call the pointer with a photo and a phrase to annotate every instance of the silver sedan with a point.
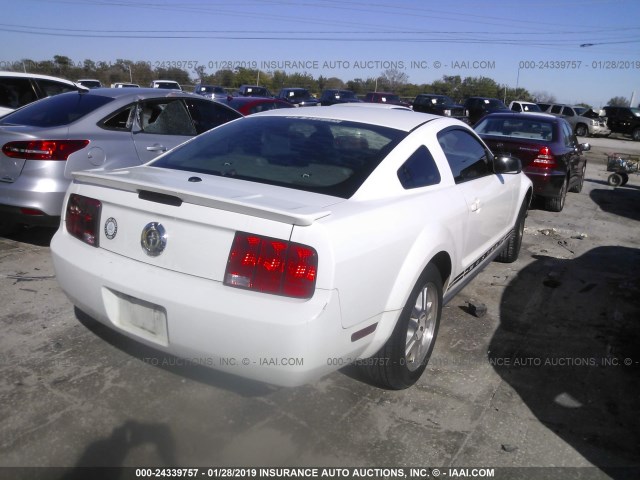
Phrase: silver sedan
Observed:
(44, 142)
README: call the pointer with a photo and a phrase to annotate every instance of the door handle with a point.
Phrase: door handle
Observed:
(157, 148)
(475, 206)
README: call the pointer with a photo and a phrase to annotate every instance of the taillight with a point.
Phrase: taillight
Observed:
(83, 218)
(270, 265)
(545, 159)
(43, 149)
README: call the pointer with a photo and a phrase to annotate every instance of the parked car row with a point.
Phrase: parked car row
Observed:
(279, 194)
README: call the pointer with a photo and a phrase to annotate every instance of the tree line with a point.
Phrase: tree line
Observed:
(143, 73)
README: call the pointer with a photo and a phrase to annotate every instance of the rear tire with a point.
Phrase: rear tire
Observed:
(578, 188)
(512, 249)
(556, 204)
(403, 359)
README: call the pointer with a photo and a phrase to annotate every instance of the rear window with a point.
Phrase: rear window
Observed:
(323, 156)
(518, 127)
(56, 111)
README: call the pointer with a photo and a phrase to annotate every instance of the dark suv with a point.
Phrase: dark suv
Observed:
(300, 97)
(253, 91)
(624, 120)
(333, 96)
(385, 97)
(440, 105)
(478, 107)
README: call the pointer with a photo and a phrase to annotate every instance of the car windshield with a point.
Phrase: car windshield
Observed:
(168, 85)
(492, 103)
(444, 100)
(532, 129)
(210, 89)
(298, 94)
(57, 110)
(319, 155)
(530, 107)
(256, 91)
(635, 111)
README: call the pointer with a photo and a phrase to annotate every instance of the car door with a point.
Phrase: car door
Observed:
(572, 155)
(489, 197)
(161, 124)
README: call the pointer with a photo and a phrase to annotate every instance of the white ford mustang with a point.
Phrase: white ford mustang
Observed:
(287, 244)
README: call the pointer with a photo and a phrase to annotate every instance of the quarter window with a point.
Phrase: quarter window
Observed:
(467, 157)
(419, 170)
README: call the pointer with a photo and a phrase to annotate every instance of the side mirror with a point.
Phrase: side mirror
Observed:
(507, 164)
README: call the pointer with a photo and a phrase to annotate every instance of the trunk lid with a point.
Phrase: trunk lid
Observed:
(199, 217)
(525, 150)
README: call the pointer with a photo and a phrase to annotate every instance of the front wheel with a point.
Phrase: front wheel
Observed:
(636, 135)
(582, 130)
(401, 361)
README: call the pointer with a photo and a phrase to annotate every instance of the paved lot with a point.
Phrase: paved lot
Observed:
(549, 377)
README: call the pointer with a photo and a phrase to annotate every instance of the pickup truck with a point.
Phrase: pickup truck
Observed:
(624, 120)
(584, 121)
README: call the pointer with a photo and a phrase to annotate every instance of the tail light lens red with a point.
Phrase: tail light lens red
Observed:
(83, 218)
(43, 149)
(545, 159)
(271, 265)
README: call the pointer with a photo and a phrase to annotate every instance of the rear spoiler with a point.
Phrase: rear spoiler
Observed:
(245, 204)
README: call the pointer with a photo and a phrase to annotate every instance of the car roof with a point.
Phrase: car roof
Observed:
(36, 76)
(135, 93)
(396, 118)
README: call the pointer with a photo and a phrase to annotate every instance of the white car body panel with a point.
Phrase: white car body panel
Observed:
(371, 249)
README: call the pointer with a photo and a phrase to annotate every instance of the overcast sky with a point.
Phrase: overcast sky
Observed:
(578, 51)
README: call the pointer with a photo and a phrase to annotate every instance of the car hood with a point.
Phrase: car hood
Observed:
(590, 114)
(286, 205)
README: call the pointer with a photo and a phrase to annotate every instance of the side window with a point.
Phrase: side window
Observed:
(466, 156)
(167, 117)
(568, 112)
(16, 92)
(419, 170)
(207, 115)
(121, 120)
(50, 87)
(556, 109)
(516, 107)
(568, 134)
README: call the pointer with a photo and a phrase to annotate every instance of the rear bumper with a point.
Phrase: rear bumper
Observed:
(269, 338)
(41, 187)
(546, 184)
